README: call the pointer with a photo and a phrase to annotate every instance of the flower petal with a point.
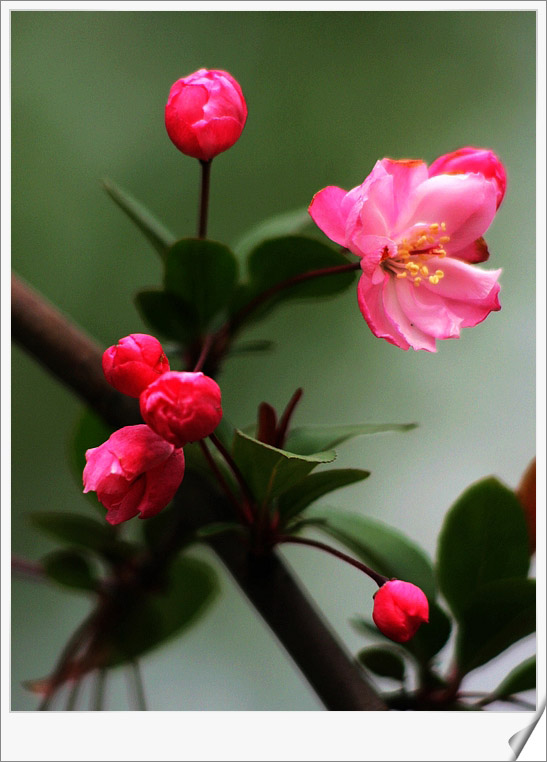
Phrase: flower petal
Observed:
(466, 203)
(326, 210)
(407, 174)
(415, 337)
(371, 303)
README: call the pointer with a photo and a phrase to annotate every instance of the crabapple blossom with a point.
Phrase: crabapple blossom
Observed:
(399, 610)
(134, 362)
(205, 113)
(182, 407)
(134, 471)
(416, 237)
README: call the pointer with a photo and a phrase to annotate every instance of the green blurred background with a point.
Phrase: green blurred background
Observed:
(328, 94)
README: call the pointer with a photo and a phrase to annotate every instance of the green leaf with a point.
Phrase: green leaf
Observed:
(158, 235)
(145, 621)
(521, 678)
(269, 471)
(385, 662)
(386, 550)
(167, 315)
(483, 539)
(280, 259)
(70, 569)
(314, 486)
(283, 224)
(307, 439)
(497, 615)
(203, 275)
(75, 529)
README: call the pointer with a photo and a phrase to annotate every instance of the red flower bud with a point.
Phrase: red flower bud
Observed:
(182, 407)
(399, 609)
(473, 160)
(205, 113)
(134, 471)
(133, 363)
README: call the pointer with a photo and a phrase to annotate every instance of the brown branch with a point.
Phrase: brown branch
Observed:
(76, 360)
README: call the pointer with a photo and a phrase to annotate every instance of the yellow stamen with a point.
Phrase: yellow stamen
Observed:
(434, 227)
(443, 225)
(444, 239)
(434, 279)
(417, 281)
(439, 274)
(424, 270)
(402, 275)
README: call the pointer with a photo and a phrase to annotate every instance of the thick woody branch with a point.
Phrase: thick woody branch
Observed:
(76, 360)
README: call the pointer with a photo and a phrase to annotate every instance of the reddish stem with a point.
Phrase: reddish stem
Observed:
(378, 578)
(234, 469)
(242, 510)
(245, 311)
(204, 197)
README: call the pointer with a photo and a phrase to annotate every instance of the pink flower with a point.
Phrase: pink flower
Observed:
(416, 237)
(182, 407)
(133, 363)
(468, 160)
(399, 610)
(205, 113)
(134, 471)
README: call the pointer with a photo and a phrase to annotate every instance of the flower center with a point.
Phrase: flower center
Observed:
(414, 252)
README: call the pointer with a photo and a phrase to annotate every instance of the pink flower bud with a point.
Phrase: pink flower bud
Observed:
(468, 160)
(205, 113)
(182, 407)
(134, 471)
(133, 363)
(399, 609)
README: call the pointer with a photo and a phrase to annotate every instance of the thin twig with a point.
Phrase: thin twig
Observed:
(73, 695)
(283, 426)
(233, 468)
(378, 578)
(241, 510)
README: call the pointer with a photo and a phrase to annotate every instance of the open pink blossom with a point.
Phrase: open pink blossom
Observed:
(416, 237)
(134, 471)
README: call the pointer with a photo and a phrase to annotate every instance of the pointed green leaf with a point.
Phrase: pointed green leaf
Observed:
(483, 539)
(167, 315)
(314, 486)
(75, 529)
(70, 569)
(521, 678)
(269, 471)
(386, 550)
(286, 223)
(307, 439)
(203, 275)
(385, 662)
(145, 621)
(158, 235)
(497, 615)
